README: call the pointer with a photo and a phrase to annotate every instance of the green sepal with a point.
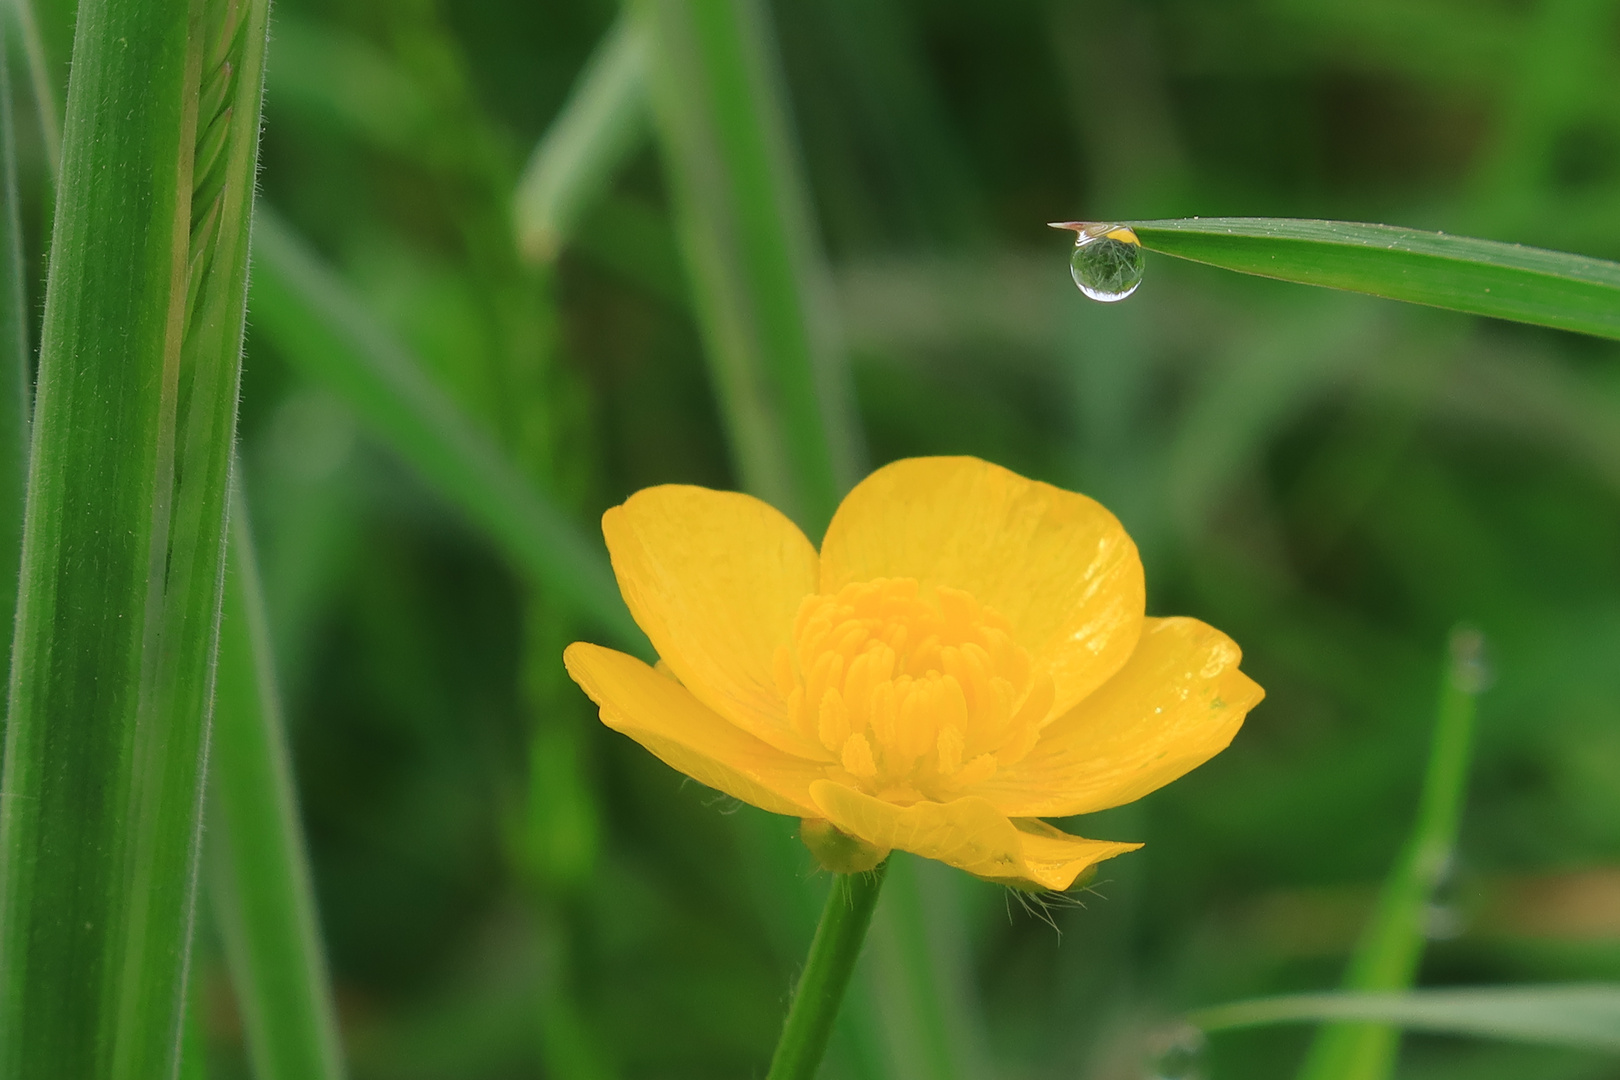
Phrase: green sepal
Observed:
(838, 851)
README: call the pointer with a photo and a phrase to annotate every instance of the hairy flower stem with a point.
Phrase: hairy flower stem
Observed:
(827, 970)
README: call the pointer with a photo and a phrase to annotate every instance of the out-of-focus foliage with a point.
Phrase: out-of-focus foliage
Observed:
(507, 889)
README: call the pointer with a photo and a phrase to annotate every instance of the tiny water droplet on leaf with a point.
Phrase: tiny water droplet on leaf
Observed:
(1108, 259)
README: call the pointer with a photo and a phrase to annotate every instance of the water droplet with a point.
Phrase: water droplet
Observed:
(1176, 1053)
(1107, 261)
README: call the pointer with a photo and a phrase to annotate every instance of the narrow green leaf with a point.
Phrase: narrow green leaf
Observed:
(16, 366)
(1584, 1016)
(1392, 944)
(259, 881)
(761, 292)
(112, 665)
(1479, 277)
(602, 123)
(303, 306)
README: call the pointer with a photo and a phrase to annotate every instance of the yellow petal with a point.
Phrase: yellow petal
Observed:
(968, 833)
(1055, 564)
(715, 578)
(660, 714)
(1176, 704)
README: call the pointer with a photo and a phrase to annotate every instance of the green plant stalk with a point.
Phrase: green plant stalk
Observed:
(1392, 945)
(826, 975)
(761, 296)
(16, 361)
(258, 873)
(760, 291)
(927, 1020)
(320, 327)
(112, 664)
(603, 121)
(1479, 277)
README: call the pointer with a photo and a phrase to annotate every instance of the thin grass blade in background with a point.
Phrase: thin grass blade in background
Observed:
(112, 666)
(16, 357)
(345, 77)
(762, 295)
(1581, 1016)
(44, 93)
(259, 882)
(1392, 944)
(602, 123)
(305, 308)
(1479, 277)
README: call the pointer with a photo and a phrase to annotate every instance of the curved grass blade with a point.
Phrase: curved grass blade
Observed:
(1582, 1016)
(760, 291)
(1479, 277)
(602, 123)
(259, 880)
(112, 665)
(1392, 944)
(335, 342)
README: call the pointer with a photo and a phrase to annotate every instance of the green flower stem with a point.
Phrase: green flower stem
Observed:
(827, 970)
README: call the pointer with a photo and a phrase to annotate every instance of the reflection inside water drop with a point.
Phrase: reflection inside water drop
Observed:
(1107, 261)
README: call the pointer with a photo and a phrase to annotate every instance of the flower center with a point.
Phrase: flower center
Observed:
(918, 692)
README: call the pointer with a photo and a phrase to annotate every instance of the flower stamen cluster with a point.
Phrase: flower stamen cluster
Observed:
(918, 693)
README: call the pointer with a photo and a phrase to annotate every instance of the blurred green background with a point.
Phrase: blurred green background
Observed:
(508, 889)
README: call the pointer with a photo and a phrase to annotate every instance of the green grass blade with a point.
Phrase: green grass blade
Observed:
(193, 1041)
(16, 360)
(303, 306)
(760, 290)
(1479, 277)
(259, 879)
(602, 123)
(1392, 944)
(112, 666)
(1583, 1016)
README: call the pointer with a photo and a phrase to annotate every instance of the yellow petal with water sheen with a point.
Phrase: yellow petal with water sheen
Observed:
(1055, 564)
(1176, 704)
(686, 735)
(968, 833)
(715, 578)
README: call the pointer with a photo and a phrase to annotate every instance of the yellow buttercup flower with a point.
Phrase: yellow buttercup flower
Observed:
(966, 655)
